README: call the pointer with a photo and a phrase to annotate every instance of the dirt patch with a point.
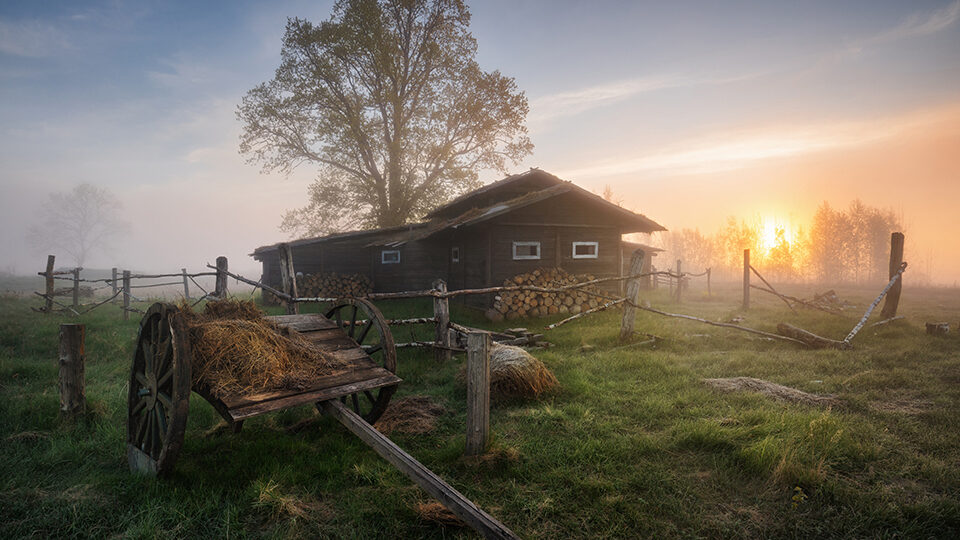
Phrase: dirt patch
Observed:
(516, 373)
(435, 512)
(237, 351)
(903, 406)
(412, 414)
(767, 388)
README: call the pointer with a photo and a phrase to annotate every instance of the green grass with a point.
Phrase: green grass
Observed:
(631, 444)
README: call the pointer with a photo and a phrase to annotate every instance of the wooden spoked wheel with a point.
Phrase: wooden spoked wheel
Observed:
(363, 322)
(159, 395)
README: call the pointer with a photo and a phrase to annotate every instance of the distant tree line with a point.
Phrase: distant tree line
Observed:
(851, 246)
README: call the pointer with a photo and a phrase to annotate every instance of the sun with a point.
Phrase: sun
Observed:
(770, 231)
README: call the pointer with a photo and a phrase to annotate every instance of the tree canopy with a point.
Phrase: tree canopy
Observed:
(387, 100)
(78, 222)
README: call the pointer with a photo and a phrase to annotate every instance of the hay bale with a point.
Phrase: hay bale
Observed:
(434, 512)
(238, 351)
(413, 414)
(767, 388)
(515, 373)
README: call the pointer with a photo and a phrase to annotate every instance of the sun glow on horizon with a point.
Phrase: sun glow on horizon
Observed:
(772, 232)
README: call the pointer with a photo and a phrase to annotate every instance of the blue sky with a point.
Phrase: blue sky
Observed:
(691, 111)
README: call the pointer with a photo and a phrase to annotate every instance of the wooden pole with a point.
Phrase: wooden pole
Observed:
(113, 284)
(632, 296)
(462, 507)
(76, 288)
(478, 392)
(288, 277)
(896, 258)
(709, 271)
(441, 312)
(221, 286)
(126, 295)
(48, 308)
(186, 284)
(679, 280)
(71, 382)
(746, 279)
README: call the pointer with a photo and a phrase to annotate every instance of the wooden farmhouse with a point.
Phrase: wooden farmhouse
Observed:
(521, 223)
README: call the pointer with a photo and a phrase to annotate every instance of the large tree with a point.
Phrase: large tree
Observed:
(77, 222)
(387, 100)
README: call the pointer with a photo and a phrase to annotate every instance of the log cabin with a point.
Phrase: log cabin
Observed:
(523, 222)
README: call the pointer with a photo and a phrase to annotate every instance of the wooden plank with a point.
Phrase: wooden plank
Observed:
(896, 258)
(441, 312)
(632, 296)
(746, 279)
(462, 507)
(71, 379)
(48, 308)
(312, 397)
(220, 290)
(811, 339)
(349, 375)
(306, 322)
(126, 295)
(478, 393)
(288, 277)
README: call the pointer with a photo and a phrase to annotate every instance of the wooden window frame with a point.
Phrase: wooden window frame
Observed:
(526, 257)
(383, 256)
(455, 254)
(596, 250)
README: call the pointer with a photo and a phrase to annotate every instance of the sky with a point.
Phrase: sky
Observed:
(690, 111)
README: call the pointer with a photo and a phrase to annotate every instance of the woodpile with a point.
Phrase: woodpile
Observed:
(522, 304)
(333, 285)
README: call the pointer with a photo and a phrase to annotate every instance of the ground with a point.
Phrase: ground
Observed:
(631, 444)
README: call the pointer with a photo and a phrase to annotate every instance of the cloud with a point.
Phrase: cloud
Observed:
(917, 24)
(739, 149)
(31, 39)
(574, 102)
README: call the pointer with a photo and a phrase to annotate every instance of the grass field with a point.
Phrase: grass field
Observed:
(632, 443)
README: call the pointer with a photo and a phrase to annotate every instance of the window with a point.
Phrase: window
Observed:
(526, 250)
(390, 256)
(585, 250)
(455, 254)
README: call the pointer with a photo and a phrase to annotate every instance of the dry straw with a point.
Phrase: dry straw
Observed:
(413, 414)
(237, 351)
(774, 390)
(516, 373)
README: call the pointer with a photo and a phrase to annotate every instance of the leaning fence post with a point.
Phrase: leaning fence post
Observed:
(221, 287)
(48, 308)
(71, 382)
(633, 293)
(478, 392)
(441, 314)
(679, 280)
(186, 286)
(114, 288)
(126, 295)
(76, 288)
(896, 258)
(288, 277)
(746, 279)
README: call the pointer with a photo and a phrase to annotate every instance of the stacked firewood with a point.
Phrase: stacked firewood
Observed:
(520, 304)
(333, 285)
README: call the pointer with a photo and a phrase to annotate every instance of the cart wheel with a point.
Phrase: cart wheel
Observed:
(159, 391)
(363, 322)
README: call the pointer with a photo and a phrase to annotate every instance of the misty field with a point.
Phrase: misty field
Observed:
(631, 444)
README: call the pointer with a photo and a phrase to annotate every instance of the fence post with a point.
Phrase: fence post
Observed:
(221, 287)
(478, 392)
(48, 308)
(441, 312)
(746, 279)
(288, 277)
(679, 280)
(632, 296)
(126, 295)
(113, 284)
(186, 286)
(893, 295)
(76, 288)
(71, 381)
(709, 271)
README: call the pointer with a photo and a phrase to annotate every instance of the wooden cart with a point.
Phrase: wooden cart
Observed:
(353, 329)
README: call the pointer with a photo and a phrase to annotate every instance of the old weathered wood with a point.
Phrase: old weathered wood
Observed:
(76, 288)
(590, 311)
(478, 393)
(863, 320)
(71, 380)
(126, 295)
(462, 507)
(49, 284)
(632, 296)
(288, 277)
(811, 339)
(186, 284)
(709, 293)
(220, 291)
(886, 321)
(441, 312)
(896, 258)
(771, 289)
(938, 328)
(679, 280)
(746, 279)
(114, 285)
(723, 325)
